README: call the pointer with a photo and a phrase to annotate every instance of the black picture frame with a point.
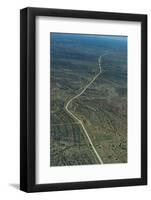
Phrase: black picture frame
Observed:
(28, 98)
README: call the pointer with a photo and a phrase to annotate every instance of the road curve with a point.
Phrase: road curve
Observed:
(77, 119)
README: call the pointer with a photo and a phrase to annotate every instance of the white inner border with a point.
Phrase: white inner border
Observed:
(47, 174)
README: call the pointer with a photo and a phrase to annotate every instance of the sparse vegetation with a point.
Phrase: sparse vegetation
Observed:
(102, 107)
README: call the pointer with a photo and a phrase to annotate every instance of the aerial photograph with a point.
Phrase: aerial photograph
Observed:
(88, 99)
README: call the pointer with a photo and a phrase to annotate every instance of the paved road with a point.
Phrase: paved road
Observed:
(77, 119)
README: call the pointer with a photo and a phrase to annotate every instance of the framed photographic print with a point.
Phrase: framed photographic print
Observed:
(83, 93)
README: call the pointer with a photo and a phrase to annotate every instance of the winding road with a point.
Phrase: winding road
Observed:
(77, 119)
